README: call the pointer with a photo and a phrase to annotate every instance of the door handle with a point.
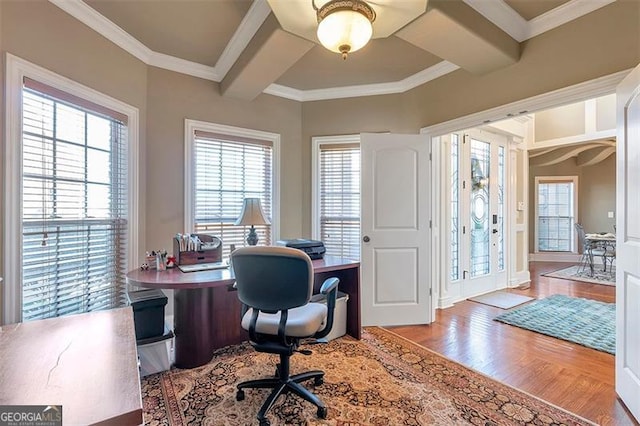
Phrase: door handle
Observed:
(495, 231)
(366, 239)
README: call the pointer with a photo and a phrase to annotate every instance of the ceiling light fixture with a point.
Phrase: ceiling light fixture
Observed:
(344, 26)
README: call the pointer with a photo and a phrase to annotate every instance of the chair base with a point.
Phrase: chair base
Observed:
(282, 384)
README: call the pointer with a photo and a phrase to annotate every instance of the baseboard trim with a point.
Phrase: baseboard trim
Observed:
(554, 257)
(445, 302)
(521, 279)
(561, 257)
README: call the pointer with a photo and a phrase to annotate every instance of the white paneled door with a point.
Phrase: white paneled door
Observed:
(628, 243)
(395, 214)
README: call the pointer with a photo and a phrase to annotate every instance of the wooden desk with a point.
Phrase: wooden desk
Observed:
(87, 363)
(207, 310)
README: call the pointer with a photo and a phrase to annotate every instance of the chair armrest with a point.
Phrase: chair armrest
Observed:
(328, 285)
(329, 288)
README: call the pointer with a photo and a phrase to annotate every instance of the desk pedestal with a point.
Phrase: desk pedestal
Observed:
(205, 319)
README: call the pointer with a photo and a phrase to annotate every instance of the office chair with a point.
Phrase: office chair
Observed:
(275, 285)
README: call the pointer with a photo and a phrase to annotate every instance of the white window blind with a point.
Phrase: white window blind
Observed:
(229, 169)
(74, 204)
(556, 216)
(340, 199)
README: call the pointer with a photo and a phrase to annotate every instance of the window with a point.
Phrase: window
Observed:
(70, 178)
(225, 166)
(455, 207)
(556, 201)
(337, 195)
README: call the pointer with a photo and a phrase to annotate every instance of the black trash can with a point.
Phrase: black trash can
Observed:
(148, 312)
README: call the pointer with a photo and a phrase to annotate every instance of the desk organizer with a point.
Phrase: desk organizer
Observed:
(192, 257)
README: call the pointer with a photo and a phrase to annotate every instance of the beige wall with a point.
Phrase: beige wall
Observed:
(172, 97)
(555, 123)
(606, 113)
(596, 193)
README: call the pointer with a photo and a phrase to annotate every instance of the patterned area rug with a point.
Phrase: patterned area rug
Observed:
(381, 380)
(587, 322)
(576, 273)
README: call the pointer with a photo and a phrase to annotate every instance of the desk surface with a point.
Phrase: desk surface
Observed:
(206, 313)
(176, 279)
(86, 363)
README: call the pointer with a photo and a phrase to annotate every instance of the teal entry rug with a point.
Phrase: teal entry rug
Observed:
(587, 322)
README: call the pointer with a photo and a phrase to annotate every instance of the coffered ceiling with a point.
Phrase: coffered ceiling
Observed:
(240, 43)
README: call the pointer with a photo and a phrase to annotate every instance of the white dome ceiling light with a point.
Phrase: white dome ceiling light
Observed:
(344, 26)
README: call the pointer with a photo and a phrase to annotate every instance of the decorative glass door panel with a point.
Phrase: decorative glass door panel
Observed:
(480, 244)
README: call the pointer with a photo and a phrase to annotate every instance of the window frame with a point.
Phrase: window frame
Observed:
(17, 70)
(556, 179)
(190, 128)
(316, 142)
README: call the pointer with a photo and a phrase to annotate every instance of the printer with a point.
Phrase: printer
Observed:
(315, 249)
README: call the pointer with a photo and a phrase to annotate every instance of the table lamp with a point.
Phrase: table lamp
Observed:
(252, 215)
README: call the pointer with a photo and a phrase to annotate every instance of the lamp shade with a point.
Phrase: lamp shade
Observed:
(252, 213)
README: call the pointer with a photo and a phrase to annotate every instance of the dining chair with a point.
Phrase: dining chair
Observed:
(591, 249)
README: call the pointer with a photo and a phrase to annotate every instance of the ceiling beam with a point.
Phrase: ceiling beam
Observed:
(564, 153)
(594, 156)
(457, 33)
(272, 51)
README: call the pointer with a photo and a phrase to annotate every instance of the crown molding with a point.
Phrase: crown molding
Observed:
(103, 26)
(503, 16)
(183, 66)
(509, 21)
(394, 87)
(562, 14)
(255, 17)
(252, 21)
(257, 14)
(497, 12)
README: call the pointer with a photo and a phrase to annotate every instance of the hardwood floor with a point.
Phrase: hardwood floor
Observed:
(576, 378)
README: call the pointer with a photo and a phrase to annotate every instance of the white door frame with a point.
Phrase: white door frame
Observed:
(579, 92)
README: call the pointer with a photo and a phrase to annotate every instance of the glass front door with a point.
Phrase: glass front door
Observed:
(477, 210)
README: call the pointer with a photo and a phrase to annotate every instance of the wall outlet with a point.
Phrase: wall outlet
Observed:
(520, 205)
(610, 215)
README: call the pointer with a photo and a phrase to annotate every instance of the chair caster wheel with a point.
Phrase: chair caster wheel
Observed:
(322, 412)
(318, 381)
(240, 395)
(264, 422)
